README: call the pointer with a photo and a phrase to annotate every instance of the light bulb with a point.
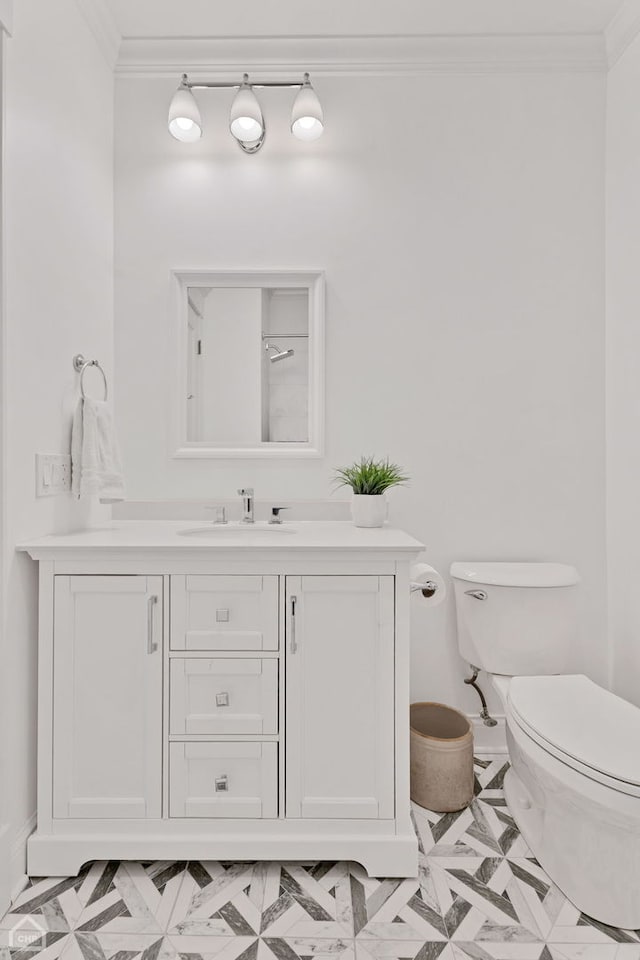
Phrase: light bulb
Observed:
(246, 129)
(307, 128)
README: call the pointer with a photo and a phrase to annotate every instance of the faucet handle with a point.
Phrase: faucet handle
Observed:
(275, 514)
(245, 492)
(221, 513)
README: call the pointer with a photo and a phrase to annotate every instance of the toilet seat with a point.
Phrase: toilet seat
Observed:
(591, 730)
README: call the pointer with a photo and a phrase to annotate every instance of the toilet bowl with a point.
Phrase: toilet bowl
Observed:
(573, 787)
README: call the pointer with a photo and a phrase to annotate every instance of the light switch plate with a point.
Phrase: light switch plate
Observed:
(53, 474)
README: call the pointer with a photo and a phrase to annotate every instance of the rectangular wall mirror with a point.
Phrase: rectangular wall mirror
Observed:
(248, 364)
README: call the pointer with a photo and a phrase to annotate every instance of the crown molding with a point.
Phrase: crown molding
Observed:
(273, 57)
(103, 27)
(622, 31)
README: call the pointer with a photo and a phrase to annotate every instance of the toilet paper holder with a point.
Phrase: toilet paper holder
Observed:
(427, 589)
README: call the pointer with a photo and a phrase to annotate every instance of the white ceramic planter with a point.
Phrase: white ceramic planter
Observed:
(369, 511)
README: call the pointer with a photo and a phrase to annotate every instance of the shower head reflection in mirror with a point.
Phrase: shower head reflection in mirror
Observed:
(279, 354)
(232, 396)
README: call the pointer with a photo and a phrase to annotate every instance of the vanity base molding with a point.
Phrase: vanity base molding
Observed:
(381, 856)
(224, 701)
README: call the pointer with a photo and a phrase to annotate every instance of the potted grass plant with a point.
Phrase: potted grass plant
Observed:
(369, 480)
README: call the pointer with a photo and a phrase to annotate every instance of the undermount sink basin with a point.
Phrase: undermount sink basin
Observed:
(236, 530)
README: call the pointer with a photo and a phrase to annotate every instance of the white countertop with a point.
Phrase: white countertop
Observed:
(130, 536)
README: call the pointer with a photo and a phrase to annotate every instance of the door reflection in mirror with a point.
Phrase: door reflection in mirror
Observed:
(247, 365)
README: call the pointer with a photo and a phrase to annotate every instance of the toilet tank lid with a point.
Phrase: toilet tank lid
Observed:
(503, 574)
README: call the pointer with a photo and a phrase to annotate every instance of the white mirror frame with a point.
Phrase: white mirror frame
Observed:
(310, 280)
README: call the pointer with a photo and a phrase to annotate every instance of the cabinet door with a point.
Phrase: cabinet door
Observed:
(340, 697)
(107, 717)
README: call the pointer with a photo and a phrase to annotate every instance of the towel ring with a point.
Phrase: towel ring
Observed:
(80, 365)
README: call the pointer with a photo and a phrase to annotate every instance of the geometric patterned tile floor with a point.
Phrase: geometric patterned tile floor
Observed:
(480, 895)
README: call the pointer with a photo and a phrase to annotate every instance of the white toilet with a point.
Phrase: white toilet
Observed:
(574, 783)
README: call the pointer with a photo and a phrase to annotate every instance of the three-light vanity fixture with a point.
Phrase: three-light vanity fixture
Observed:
(246, 121)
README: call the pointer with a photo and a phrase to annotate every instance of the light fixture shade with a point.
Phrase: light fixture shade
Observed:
(307, 120)
(245, 121)
(185, 122)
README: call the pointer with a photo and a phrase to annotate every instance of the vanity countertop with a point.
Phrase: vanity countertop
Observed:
(202, 538)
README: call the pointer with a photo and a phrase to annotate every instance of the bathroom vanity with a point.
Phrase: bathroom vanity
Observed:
(229, 693)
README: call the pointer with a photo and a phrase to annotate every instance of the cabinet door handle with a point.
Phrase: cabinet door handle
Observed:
(152, 646)
(294, 646)
(222, 784)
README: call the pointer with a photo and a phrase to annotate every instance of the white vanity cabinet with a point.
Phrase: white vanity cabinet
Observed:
(217, 700)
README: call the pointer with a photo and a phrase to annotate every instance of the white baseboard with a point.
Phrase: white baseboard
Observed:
(5, 862)
(18, 887)
(18, 858)
(489, 740)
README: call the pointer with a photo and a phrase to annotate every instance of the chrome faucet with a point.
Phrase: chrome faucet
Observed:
(247, 504)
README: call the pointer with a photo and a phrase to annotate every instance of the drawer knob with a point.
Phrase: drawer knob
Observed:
(222, 615)
(222, 699)
(222, 784)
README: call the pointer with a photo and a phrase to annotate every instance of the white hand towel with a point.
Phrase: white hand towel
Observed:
(96, 469)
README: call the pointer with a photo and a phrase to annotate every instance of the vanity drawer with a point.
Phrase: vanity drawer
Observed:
(224, 613)
(223, 780)
(216, 696)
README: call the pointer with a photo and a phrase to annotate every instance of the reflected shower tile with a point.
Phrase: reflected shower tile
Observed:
(288, 400)
(289, 429)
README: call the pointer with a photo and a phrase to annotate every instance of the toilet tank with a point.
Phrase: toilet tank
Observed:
(516, 619)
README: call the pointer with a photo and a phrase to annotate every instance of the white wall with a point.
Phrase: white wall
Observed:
(623, 381)
(58, 210)
(460, 223)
